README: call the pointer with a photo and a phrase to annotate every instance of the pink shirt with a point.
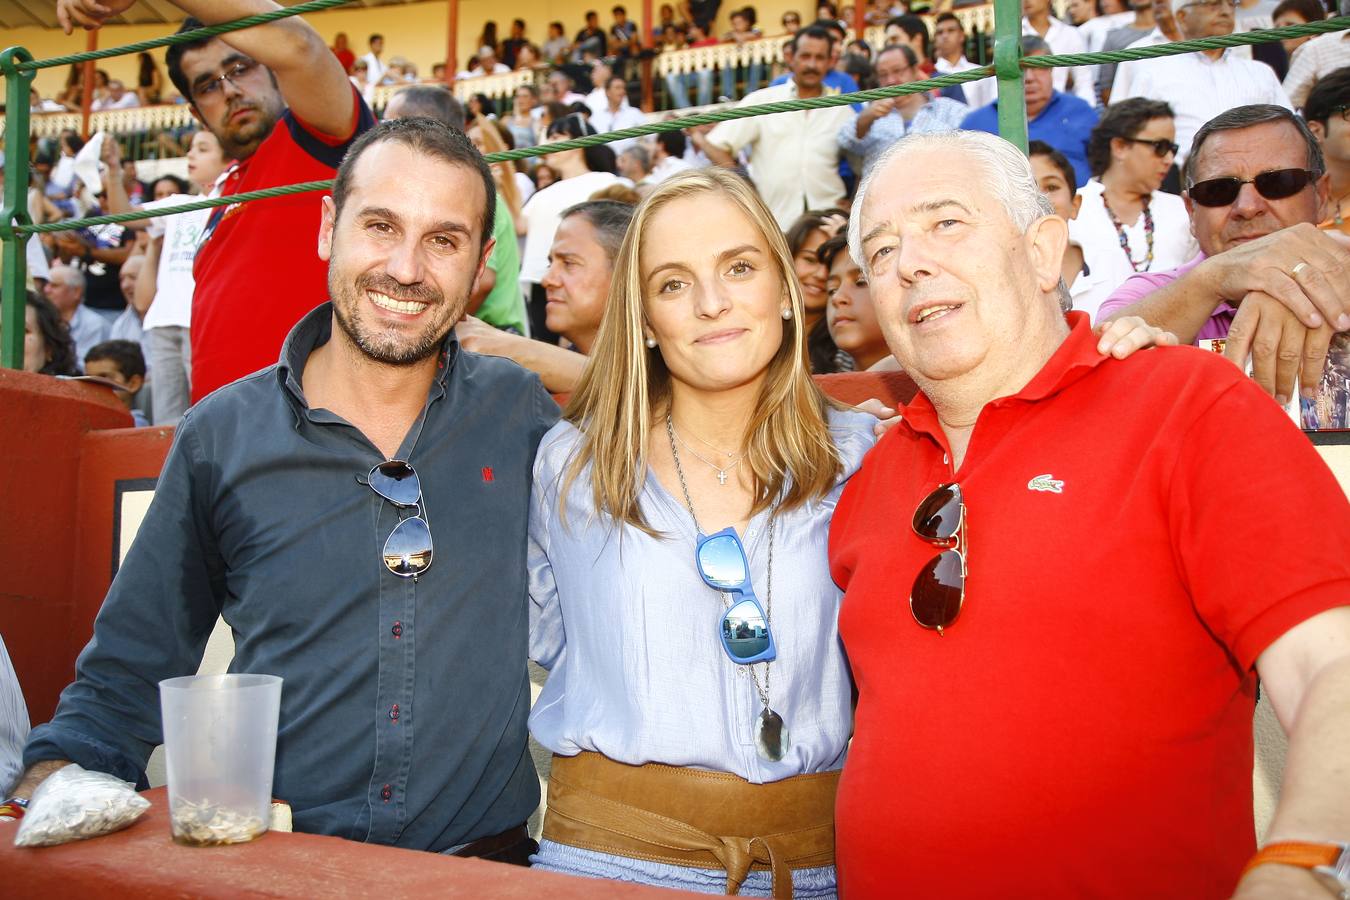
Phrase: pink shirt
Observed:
(1141, 284)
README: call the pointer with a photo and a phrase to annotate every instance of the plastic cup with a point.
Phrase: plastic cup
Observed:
(220, 740)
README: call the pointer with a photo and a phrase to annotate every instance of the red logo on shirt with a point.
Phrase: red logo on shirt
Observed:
(487, 474)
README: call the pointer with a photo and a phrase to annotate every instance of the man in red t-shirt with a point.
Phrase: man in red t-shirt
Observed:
(279, 102)
(1061, 704)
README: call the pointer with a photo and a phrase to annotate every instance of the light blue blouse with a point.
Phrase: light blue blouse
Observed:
(629, 631)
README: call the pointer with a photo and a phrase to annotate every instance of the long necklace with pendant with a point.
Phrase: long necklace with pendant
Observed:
(771, 734)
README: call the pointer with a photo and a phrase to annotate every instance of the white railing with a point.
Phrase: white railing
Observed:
(497, 87)
(114, 121)
(770, 49)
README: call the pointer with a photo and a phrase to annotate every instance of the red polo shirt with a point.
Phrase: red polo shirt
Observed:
(1084, 728)
(258, 270)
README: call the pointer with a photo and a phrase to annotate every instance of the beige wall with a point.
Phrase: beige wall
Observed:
(416, 31)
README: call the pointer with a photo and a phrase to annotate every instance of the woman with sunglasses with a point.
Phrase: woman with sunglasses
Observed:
(1125, 223)
(699, 702)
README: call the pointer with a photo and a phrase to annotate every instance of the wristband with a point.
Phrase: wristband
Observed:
(1329, 863)
(13, 808)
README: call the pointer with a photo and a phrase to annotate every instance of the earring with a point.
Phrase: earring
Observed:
(787, 312)
(651, 343)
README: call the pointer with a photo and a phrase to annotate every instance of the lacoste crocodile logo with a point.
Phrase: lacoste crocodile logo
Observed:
(1047, 483)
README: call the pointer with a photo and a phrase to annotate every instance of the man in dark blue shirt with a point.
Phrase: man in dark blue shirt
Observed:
(1061, 120)
(405, 696)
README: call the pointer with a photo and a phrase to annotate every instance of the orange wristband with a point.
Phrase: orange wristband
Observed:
(1304, 854)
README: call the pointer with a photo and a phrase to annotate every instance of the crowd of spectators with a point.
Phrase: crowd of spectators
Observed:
(1109, 148)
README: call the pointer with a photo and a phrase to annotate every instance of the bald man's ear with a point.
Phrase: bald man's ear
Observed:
(1047, 239)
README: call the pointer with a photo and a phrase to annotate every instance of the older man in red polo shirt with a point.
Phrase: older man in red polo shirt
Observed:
(281, 105)
(1061, 705)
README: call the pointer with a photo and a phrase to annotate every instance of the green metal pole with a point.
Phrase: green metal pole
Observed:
(13, 263)
(1012, 102)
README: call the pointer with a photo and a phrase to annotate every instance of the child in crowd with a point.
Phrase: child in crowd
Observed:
(123, 363)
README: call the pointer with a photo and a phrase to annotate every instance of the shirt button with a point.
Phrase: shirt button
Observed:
(393, 712)
(397, 630)
(743, 671)
(386, 792)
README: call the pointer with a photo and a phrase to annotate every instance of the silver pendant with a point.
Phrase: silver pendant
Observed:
(771, 736)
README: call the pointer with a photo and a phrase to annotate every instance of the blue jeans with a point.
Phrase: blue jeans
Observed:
(754, 74)
(677, 86)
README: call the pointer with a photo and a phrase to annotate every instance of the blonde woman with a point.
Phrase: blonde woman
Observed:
(679, 761)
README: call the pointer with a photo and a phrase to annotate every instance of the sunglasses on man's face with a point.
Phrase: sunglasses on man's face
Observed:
(408, 549)
(940, 587)
(1161, 147)
(1276, 185)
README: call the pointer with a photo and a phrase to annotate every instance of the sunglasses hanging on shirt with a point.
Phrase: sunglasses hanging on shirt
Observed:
(408, 549)
(940, 587)
(745, 628)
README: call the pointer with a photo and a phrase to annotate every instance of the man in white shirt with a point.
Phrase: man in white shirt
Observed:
(118, 98)
(1062, 38)
(1201, 85)
(600, 75)
(617, 113)
(487, 65)
(562, 85)
(1093, 30)
(1140, 25)
(375, 69)
(1164, 31)
(1316, 59)
(668, 156)
(794, 157)
(949, 55)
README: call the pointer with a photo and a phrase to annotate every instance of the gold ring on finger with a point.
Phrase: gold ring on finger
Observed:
(1298, 269)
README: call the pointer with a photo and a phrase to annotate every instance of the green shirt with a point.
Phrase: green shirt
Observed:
(504, 306)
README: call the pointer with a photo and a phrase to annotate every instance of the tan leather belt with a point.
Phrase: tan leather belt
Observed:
(692, 817)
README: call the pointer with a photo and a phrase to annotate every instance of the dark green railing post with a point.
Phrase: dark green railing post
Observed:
(14, 210)
(1012, 101)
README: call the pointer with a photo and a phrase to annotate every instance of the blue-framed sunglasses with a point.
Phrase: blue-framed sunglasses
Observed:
(743, 629)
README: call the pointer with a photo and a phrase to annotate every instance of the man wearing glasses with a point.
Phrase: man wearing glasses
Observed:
(277, 99)
(1266, 279)
(1057, 655)
(356, 512)
(1201, 85)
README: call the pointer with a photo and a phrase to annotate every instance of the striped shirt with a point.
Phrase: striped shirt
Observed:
(1316, 59)
(938, 114)
(1199, 88)
(13, 724)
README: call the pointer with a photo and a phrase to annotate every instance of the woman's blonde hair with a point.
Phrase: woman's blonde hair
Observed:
(626, 386)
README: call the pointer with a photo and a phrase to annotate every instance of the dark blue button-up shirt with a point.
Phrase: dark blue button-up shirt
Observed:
(404, 706)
